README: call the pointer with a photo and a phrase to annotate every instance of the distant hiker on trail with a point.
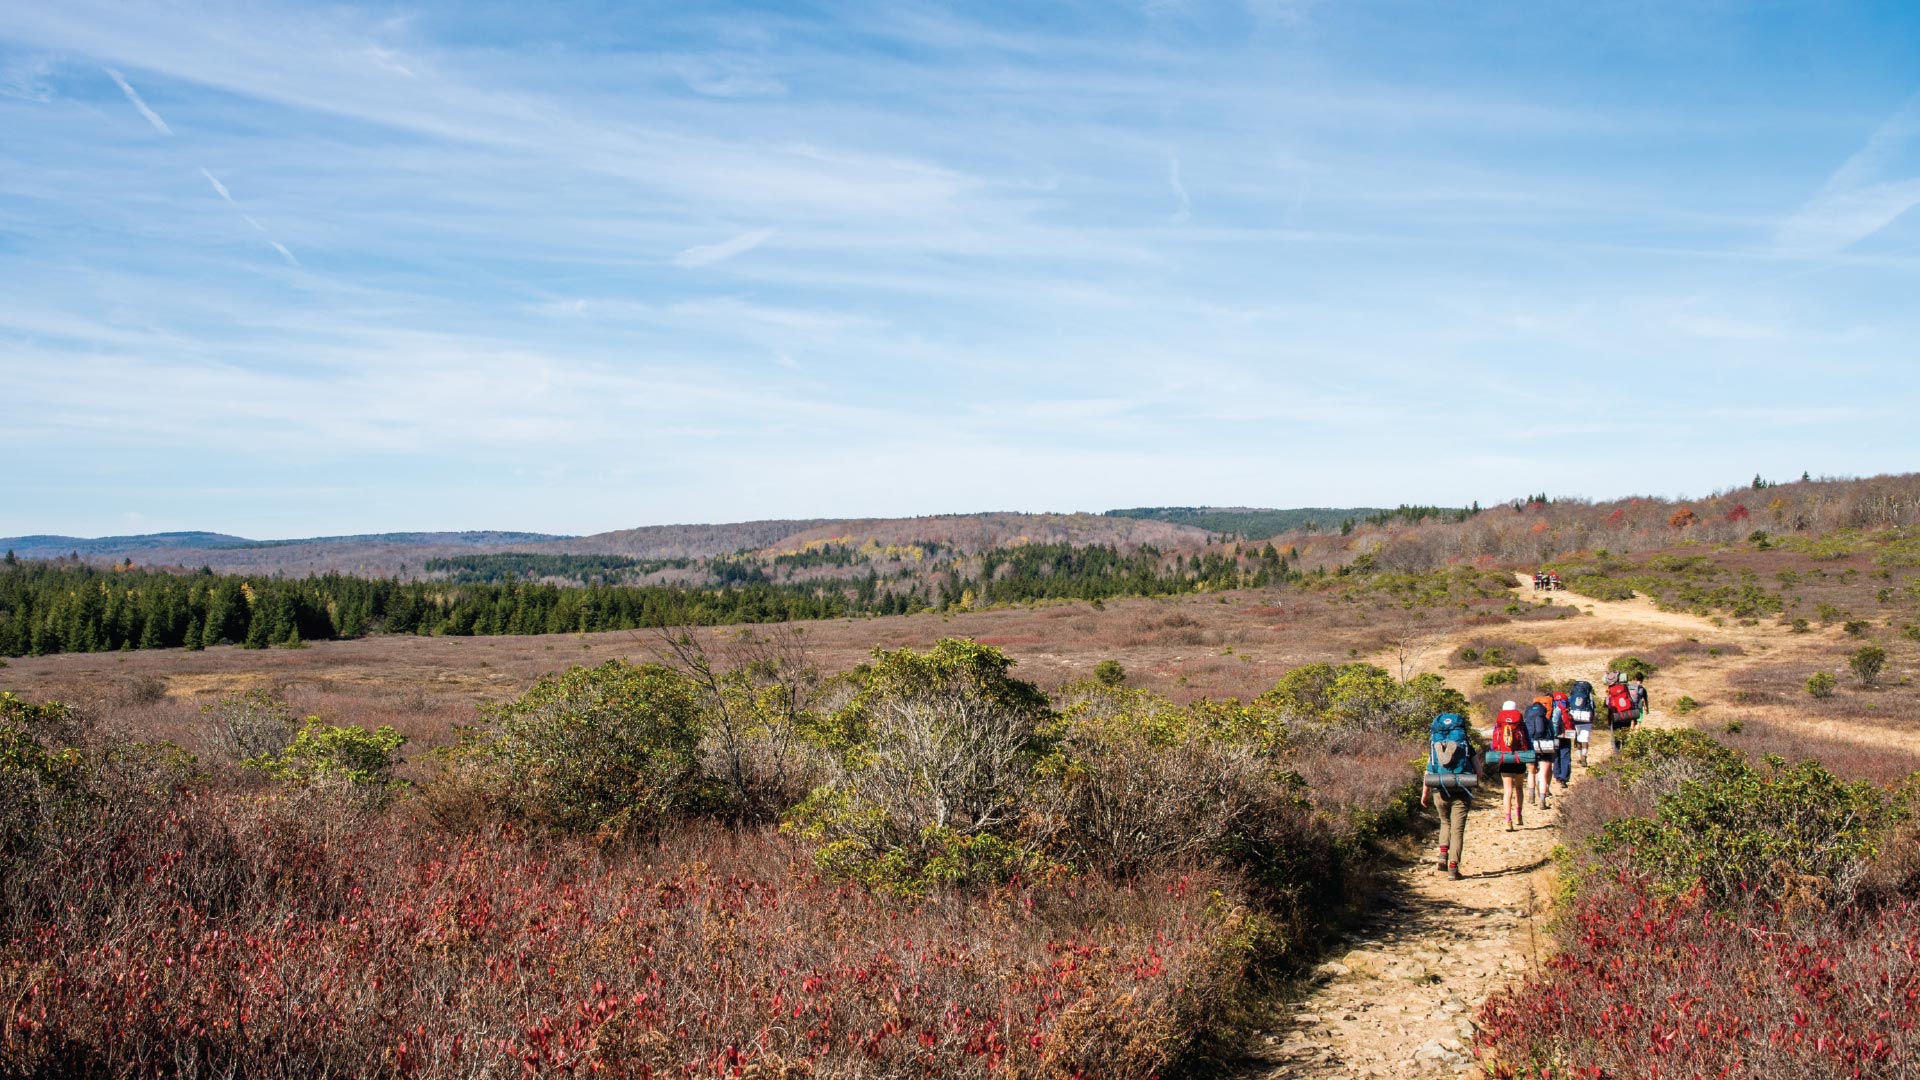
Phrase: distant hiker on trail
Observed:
(1637, 693)
(1561, 718)
(1511, 754)
(1545, 740)
(1622, 713)
(1451, 776)
(1580, 704)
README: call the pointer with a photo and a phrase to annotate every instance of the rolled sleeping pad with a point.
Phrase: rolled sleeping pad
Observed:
(1511, 757)
(1451, 781)
(1625, 716)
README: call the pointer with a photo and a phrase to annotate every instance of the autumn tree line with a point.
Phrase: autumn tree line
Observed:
(67, 606)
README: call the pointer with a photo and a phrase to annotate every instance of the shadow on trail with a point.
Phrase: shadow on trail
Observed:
(1390, 925)
(1511, 871)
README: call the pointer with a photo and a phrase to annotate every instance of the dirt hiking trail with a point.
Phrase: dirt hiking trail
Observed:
(1398, 995)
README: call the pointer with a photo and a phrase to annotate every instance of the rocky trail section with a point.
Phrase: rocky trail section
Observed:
(1399, 993)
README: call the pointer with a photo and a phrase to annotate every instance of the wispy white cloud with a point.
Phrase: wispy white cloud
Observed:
(1856, 201)
(139, 103)
(708, 254)
(26, 79)
(1184, 209)
(725, 77)
(220, 189)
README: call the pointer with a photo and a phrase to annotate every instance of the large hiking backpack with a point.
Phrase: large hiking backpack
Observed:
(1450, 763)
(1637, 693)
(1562, 715)
(1580, 696)
(1510, 743)
(1540, 731)
(1620, 704)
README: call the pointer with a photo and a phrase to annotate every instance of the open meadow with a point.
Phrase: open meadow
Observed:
(1068, 838)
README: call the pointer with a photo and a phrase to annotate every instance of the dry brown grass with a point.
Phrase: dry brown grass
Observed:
(1214, 646)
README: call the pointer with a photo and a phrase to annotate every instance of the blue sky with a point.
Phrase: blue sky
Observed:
(280, 270)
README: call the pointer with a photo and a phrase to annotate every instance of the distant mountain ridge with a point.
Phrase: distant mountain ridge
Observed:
(405, 554)
(47, 546)
(1251, 522)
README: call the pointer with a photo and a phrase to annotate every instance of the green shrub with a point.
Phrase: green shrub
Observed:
(1801, 626)
(1501, 677)
(936, 765)
(1109, 673)
(1856, 627)
(1362, 695)
(1867, 662)
(611, 749)
(41, 772)
(1774, 833)
(1136, 782)
(1469, 655)
(1734, 727)
(1632, 667)
(322, 753)
(1820, 684)
(1686, 705)
(1650, 752)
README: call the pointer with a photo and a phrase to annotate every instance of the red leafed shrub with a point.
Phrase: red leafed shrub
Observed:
(1646, 987)
(225, 934)
(1683, 517)
(1739, 513)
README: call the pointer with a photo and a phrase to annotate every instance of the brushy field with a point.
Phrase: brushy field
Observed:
(732, 859)
(1726, 916)
(1232, 645)
(267, 936)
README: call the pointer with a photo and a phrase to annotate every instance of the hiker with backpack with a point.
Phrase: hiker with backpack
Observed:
(1452, 774)
(1545, 740)
(1637, 693)
(1560, 717)
(1511, 755)
(1622, 712)
(1580, 707)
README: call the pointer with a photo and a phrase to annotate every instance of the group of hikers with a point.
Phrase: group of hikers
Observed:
(1546, 581)
(1529, 749)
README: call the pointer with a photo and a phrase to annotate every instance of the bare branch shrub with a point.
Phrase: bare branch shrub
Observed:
(249, 724)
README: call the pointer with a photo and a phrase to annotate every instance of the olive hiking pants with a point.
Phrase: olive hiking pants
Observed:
(1452, 807)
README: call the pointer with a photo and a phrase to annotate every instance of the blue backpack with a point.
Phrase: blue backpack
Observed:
(1450, 757)
(1540, 730)
(1581, 696)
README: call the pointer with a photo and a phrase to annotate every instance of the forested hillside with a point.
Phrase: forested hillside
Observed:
(65, 606)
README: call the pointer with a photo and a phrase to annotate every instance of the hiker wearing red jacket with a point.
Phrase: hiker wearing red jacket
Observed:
(1509, 736)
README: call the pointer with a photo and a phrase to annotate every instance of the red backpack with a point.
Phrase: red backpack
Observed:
(1509, 734)
(1563, 714)
(1619, 701)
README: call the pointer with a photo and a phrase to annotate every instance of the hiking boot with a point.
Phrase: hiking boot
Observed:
(1442, 867)
(1453, 872)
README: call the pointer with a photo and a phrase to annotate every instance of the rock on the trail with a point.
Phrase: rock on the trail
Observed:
(1332, 969)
